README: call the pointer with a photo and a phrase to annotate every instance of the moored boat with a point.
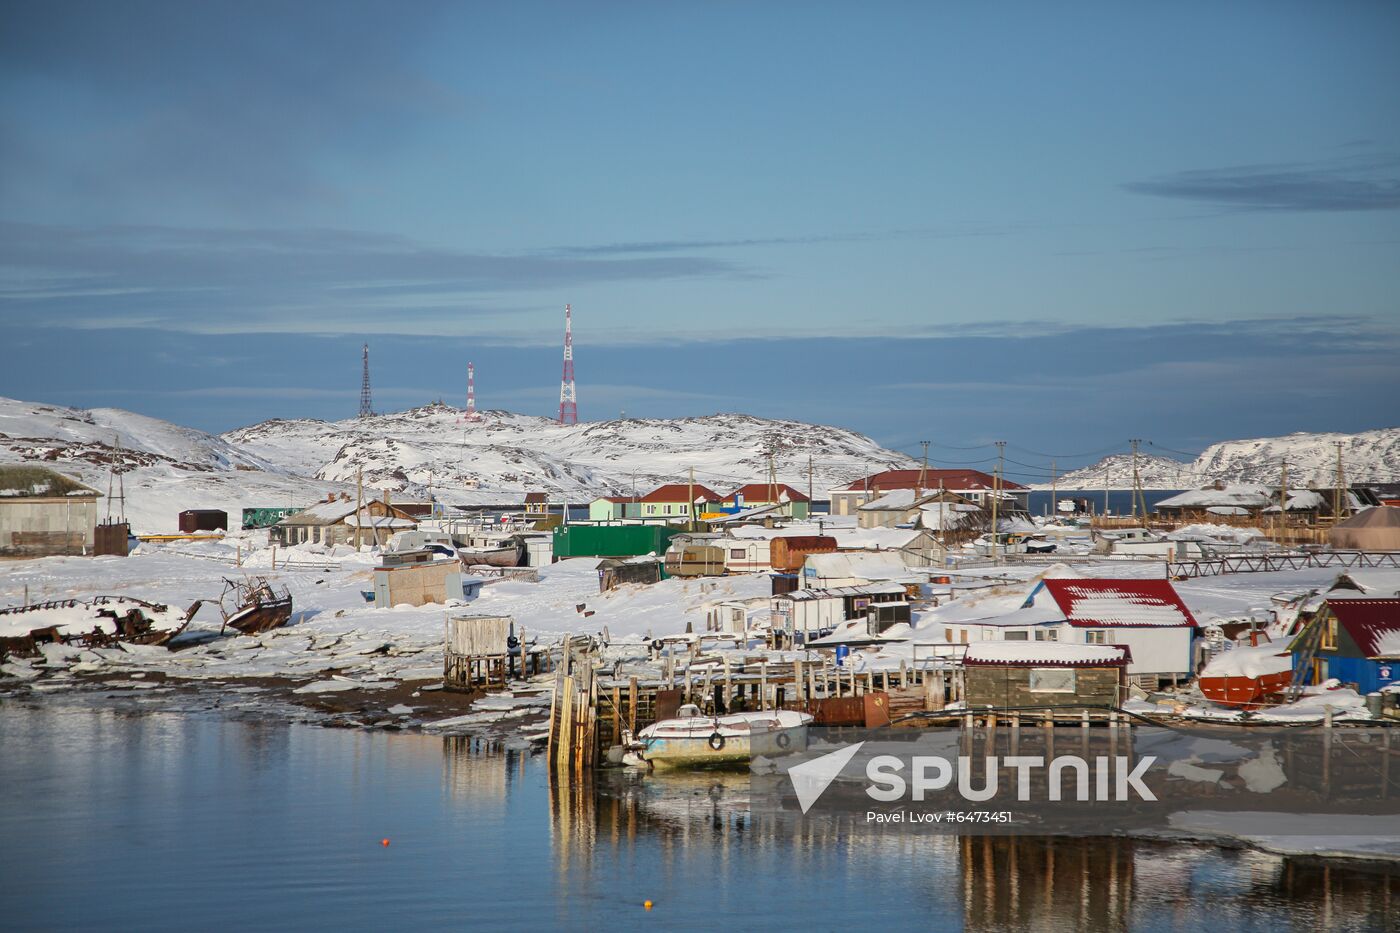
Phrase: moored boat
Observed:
(1247, 675)
(693, 740)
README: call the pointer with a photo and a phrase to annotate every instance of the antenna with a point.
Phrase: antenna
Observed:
(568, 398)
(471, 414)
(366, 405)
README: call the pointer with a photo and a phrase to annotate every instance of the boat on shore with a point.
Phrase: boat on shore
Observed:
(97, 622)
(693, 740)
(507, 555)
(260, 606)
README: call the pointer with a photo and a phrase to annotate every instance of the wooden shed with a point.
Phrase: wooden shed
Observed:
(1006, 674)
(614, 572)
(193, 520)
(788, 554)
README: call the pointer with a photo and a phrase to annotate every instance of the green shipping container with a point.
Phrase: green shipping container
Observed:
(611, 540)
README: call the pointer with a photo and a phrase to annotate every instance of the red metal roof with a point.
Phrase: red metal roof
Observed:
(680, 492)
(954, 480)
(1367, 621)
(758, 492)
(1119, 603)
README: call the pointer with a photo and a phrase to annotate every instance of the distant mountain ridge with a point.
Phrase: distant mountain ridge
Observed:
(1367, 457)
(506, 454)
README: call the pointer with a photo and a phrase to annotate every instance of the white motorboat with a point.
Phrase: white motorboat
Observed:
(694, 740)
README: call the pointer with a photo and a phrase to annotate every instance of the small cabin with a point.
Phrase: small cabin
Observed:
(1006, 674)
(196, 520)
(695, 560)
(615, 572)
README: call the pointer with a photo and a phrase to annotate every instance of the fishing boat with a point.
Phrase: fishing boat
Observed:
(1247, 676)
(693, 740)
(97, 622)
(507, 555)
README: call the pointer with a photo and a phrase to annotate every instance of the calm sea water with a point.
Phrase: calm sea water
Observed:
(113, 820)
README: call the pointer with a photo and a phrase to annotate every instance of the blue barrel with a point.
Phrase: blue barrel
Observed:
(841, 652)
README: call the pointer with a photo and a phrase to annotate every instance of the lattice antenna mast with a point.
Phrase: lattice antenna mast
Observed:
(366, 404)
(568, 399)
(471, 414)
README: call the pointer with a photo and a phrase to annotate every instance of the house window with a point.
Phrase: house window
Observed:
(1017, 636)
(1051, 680)
(684, 508)
(964, 636)
(948, 635)
(736, 553)
(1329, 634)
(651, 510)
(316, 534)
(1046, 634)
(1096, 637)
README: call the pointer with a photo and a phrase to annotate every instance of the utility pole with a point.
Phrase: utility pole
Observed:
(809, 485)
(366, 403)
(996, 494)
(1054, 494)
(359, 503)
(1341, 482)
(1137, 485)
(1283, 494)
(690, 511)
(772, 479)
(923, 473)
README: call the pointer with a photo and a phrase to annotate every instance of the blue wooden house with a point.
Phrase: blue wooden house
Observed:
(1359, 644)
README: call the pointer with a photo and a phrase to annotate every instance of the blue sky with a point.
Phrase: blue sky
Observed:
(1061, 224)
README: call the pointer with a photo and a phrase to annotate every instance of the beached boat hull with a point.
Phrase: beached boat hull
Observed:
(99, 622)
(495, 557)
(262, 616)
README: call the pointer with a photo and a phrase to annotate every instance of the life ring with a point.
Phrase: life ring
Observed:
(657, 645)
(783, 740)
(716, 741)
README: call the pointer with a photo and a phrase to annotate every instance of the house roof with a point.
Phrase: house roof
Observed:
(1093, 603)
(680, 492)
(1245, 495)
(759, 492)
(1374, 624)
(322, 513)
(956, 480)
(613, 499)
(21, 481)
(536, 497)
(1044, 654)
(859, 565)
(840, 592)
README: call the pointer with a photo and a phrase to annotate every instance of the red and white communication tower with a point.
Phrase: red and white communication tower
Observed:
(471, 414)
(568, 399)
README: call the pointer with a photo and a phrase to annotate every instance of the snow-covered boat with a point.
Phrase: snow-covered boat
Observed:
(1247, 675)
(96, 622)
(692, 740)
(508, 555)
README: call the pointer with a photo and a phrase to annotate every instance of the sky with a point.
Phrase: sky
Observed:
(1058, 224)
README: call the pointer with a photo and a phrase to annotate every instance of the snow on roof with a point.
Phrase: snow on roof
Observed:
(858, 565)
(839, 592)
(948, 516)
(322, 513)
(894, 499)
(1128, 603)
(1247, 495)
(1374, 624)
(1376, 583)
(367, 519)
(1044, 654)
(882, 538)
(761, 492)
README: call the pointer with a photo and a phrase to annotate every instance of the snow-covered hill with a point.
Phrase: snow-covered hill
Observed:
(506, 454)
(1367, 457)
(165, 468)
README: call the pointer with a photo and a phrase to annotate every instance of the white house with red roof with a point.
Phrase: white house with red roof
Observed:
(1145, 616)
(973, 485)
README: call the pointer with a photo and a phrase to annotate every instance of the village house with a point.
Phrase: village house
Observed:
(337, 521)
(680, 501)
(43, 513)
(856, 568)
(972, 485)
(1003, 674)
(613, 509)
(790, 502)
(1146, 616)
(1217, 500)
(905, 508)
(1359, 644)
(812, 613)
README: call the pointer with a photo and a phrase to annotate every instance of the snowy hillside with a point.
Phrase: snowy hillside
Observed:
(505, 454)
(1368, 457)
(165, 468)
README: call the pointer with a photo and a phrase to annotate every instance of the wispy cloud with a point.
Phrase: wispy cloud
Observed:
(1361, 183)
(686, 245)
(273, 280)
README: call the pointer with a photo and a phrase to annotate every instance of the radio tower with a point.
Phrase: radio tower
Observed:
(366, 407)
(471, 414)
(568, 400)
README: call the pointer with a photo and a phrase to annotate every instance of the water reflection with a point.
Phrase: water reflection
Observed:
(985, 883)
